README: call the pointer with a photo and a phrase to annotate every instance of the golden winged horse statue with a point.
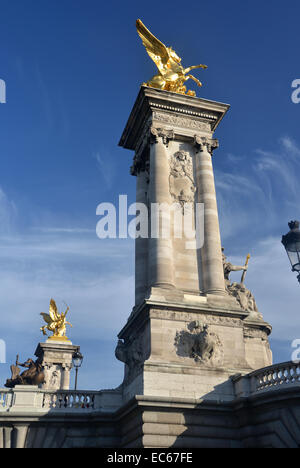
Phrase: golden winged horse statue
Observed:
(56, 322)
(172, 76)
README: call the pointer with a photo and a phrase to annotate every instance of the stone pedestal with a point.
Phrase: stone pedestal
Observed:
(56, 359)
(26, 398)
(190, 351)
(187, 334)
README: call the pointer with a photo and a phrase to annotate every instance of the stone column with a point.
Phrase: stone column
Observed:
(141, 244)
(20, 435)
(65, 377)
(160, 255)
(7, 436)
(211, 252)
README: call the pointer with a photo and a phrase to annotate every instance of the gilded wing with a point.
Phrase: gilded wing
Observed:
(155, 49)
(47, 318)
(53, 311)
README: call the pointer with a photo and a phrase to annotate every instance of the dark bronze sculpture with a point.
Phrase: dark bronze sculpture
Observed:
(33, 375)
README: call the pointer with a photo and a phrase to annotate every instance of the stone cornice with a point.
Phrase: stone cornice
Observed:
(185, 115)
(186, 112)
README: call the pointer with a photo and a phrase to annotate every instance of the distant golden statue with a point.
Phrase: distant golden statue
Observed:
(172, 75)
(56, 323)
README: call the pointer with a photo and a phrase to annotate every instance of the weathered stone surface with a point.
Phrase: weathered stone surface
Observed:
(56, 359)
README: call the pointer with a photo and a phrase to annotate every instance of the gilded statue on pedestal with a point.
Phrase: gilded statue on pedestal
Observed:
(172, 76)
(56, 323)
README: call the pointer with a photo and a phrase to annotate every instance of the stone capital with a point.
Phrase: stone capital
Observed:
(203, 143)
(165, 135)
(67, 366)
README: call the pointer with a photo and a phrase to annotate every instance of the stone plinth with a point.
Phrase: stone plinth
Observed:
(56, 359)
(190, 351)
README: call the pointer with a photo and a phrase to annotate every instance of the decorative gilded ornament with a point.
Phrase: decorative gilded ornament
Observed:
(172, 75)
(56, 323)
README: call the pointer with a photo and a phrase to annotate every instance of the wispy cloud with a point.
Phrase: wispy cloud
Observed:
(106, 167)
(254, 208)
(262, 195)
(57, 230)
(281, 169)
(233, 158)
(8, 213)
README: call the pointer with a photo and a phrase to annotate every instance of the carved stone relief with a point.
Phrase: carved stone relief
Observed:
(52, 376)
(182, 187)
(55, 379)
(199, 344)
(132, 354)
(189, 317)
(185, 122)
(255, 333)
(244, 297)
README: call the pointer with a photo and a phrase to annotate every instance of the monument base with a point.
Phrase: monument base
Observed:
(59, 339)
(56, 359)
(190, 351)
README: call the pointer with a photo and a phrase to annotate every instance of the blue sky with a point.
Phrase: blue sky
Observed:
(73, 70)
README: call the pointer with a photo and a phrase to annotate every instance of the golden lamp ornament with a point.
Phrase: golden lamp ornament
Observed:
(172, 76)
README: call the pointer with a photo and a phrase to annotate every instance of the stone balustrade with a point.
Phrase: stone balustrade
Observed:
(5, 399)
(267, 379)
(33, 399)
(75, 400)
(36, 400)
(277, 375)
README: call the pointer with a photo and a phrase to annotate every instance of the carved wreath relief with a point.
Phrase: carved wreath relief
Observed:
(200, 344)
(182, 187)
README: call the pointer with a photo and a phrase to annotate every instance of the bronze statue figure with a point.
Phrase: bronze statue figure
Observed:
(34, 374)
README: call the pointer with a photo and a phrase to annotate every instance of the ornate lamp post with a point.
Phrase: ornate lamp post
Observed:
(77, 359)
(291, 242)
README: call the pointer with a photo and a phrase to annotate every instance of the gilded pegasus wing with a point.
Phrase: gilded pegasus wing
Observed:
(47, 318)
(155, 49)
(53, 311)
